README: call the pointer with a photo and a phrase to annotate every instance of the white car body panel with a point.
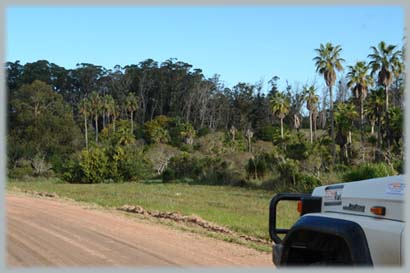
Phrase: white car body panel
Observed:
(353, 202)
(383, 236)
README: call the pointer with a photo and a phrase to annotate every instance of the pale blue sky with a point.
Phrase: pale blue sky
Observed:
(245, 44)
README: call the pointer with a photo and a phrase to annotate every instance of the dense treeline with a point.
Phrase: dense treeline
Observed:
(92, 124)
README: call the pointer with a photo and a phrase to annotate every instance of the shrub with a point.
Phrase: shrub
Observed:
(159, 156)
(155, 131)
(40, 165)
(369, 170)
(267, 133)
(134, 165)
(168, 175)
(94, 164)
(257, 167)
(297, 151)
(288, 170)
(399, 166)
(306, 183)
(20, 172)
(72, 171)
(203, 131)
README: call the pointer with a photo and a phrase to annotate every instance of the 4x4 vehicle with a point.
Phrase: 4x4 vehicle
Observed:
(355, 223)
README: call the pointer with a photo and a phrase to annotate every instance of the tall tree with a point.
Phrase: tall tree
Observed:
(40, 123)
(374, 107)
(359, 82)
(386, 61)
(85, 111)
(280, 107)
(107, 107)
(344, 118)
(131, 104)
(327, 62)
(96, 107)
(311, 104)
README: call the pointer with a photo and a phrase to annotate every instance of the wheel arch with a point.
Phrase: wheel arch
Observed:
(349, 235)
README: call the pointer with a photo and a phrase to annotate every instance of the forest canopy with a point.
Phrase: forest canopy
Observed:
(168, 121)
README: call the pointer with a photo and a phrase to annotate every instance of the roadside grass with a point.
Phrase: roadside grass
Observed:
(242, 210)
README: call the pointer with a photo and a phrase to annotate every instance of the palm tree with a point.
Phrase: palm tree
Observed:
(109, 107)
(85, 110)
(327, 63)
(311, 104)
(359, 82)
(386, 61)
(249, 136)
(374, 106)
(188, 133)
(96, 105)
(344, 118)
(115, 113)
(280, 107)
(105, 103)
(131, 104)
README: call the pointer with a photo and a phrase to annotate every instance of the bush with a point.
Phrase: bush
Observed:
(399, 166)
(94, 164)
(72, 171)
(297, 151)
(206, 170)
(267, 133)
(88, 166)
(257, 167)
(133, 165)
(19, 172)
(168, 175)
(306, 183)
(369, 170)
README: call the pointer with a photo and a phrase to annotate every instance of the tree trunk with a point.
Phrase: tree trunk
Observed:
(386, 90)
(310, 126)
(332, 127)
(113, 123)
(86, 131)
(314, 121)
(96, 128)
(132, 122)
(362, 129)
(379, 138)
(281, 127)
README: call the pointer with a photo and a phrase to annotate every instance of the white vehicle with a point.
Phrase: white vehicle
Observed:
(355, 224)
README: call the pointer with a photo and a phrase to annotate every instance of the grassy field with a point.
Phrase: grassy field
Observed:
(239, 209)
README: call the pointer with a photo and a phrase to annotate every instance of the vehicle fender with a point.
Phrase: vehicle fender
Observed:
(349, 231)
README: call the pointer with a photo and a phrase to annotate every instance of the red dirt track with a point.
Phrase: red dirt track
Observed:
(51, 232)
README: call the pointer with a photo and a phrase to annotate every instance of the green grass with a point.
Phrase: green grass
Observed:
(242, 210)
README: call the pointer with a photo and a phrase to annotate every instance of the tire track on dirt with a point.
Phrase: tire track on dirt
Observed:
(66, 234)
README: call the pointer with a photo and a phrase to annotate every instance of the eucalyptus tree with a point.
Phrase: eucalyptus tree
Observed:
(359, 82)
(131, 105)
(85, 111)
(386, 62)
(311, 104)
(327, 62)
(280, 106)
(96, 107)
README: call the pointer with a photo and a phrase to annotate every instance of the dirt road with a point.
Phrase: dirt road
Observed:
(49, 232)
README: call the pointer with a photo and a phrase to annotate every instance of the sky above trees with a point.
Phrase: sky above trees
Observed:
(246, 44)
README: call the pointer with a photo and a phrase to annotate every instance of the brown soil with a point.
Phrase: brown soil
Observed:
(49, 232)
